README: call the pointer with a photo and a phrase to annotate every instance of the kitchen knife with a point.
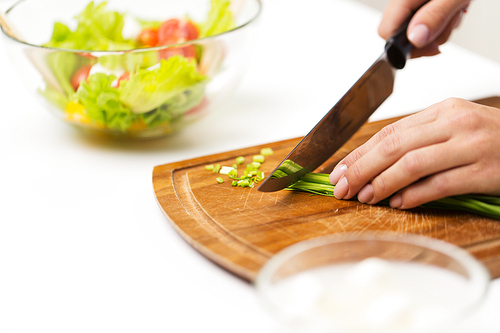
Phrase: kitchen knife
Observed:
(345, 118)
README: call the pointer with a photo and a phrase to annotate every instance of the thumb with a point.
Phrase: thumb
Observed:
(432, 19)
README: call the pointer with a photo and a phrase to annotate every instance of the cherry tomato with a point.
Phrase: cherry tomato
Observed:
(124, 77)
(177, 31)
(169, 32)
(148, 37)
(190, 29)
(80, 75)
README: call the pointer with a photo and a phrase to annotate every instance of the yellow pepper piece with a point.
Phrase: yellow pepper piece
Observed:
(76, 112)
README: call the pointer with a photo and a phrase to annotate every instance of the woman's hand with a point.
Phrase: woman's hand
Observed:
(431, 25)
(450, 148)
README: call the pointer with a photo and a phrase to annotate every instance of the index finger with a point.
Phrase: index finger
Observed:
(413, 120)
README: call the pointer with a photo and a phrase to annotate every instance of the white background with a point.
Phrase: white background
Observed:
(83, 244)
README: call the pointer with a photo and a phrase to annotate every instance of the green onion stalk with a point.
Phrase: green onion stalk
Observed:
(319, 183)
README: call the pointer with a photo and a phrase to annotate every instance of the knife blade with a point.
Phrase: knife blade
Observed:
(345, 117)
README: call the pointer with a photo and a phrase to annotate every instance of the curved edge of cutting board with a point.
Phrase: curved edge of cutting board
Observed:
(179, 187)
(178, 203)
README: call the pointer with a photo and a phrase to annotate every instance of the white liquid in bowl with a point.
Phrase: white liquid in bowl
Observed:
(372, 296)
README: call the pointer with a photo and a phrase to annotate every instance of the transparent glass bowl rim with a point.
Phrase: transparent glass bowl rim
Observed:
(479, 276)
(145, 49)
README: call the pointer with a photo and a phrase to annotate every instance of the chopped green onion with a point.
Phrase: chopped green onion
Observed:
(217, 168)
(219, 180)
(232, 174)
(253, 166)
(260, 176)
(235, 166)
(259, 158)
(244, 183)
(225, 170)
(234, 183)
(266, 151)
(240, 160)
(209, 167)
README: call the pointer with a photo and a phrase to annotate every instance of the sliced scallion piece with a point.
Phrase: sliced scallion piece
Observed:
(266, 151)
(259, 158)
(225, 170)
(240, 160)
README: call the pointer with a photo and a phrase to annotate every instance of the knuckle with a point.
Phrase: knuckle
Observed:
(462, 115)
(481, 144)
(388, 130)
(380, 187)
(354, 173)
(357, 154)
(452, 103)
(391, 145)
(413, 163)
(441, 185)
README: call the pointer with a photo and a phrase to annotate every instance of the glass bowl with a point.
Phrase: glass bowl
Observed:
(371, 283)
(131, 89)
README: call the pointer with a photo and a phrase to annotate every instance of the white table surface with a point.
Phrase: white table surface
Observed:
(84, 246)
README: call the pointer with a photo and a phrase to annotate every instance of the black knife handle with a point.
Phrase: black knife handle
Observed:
(398, 47)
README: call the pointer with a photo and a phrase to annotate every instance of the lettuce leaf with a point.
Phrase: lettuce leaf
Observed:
(175, 108)
(148, 89)
(103, 104)
(97, 29)
(220, 19)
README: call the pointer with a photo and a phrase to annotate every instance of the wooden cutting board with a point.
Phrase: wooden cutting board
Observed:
(241, 228)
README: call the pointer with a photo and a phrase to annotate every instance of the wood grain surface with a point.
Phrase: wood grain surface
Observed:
(241, 228)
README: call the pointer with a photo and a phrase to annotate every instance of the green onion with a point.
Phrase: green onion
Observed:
(225, 170)
(240, 160)
(244, 183)
(319, 183)
(233, 174)
(258, 158)
(253, 166)
(260, 176)
(266, 151)
(287, 168)
(251, 174)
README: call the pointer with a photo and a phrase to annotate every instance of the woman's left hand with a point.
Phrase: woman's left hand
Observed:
(450, 148)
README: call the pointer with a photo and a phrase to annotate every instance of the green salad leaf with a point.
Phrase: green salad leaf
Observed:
(97, 29)
(176, 107)
(103, 104)
(148, 89)
(220, 19)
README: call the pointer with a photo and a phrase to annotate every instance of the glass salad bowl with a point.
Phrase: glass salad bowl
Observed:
(127, 68)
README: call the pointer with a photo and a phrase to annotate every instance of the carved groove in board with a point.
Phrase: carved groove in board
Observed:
(216, 230)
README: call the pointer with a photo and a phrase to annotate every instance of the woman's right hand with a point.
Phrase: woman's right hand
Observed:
(431, 25)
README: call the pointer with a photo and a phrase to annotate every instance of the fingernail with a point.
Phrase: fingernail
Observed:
(396, 201)
(341, 188)
(366, 193)
(419, 35)
(337, 173)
